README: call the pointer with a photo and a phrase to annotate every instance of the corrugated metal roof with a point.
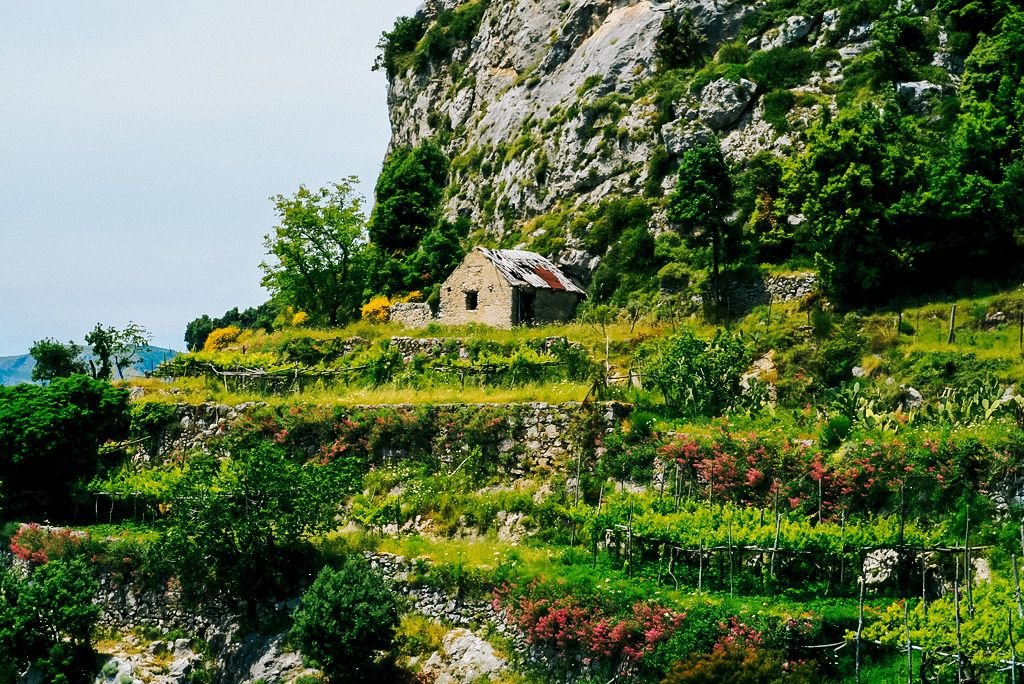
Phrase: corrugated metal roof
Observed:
(520, 267)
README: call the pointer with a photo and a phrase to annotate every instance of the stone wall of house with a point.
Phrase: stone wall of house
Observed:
(554, 307)
(412, 315)
(493, 294)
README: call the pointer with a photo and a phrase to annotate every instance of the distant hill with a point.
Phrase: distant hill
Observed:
(15, 370)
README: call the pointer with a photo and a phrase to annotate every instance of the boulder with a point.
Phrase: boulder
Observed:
(794, 29)
(919, 96)
(464, 658)
(723, 102)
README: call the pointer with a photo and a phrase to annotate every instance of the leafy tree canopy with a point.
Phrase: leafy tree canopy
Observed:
(50, 438)
(56, 360)
(116, 349)
(347, 616)
(697, 378)
(46, 621)
(257, 317)
(240, 525)
(408, 193)
(318, 252)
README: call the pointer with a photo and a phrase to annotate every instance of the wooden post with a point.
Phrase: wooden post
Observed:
(700, 565)
(842, 549)
(910, 650)
(899, 324)
(629, 541)
(768, 323)
(952, 326)
(1013, 647)
(1016, 587)
(1021, 343)
(730, 560)
(778, 528)
(860, 628)
(967, 565)
(956, 616)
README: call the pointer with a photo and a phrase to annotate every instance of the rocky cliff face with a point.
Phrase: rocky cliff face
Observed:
(558, 103)
(542, 106)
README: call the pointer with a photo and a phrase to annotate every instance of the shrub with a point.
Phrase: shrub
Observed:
(347, 616)
(776, 105)
(377, 310)
(697, 378)
(222, 338)
(40, 545)
(781, 67)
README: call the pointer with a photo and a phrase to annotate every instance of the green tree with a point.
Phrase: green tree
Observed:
(975, 187)
(56, 360)
(116, 349)
(47, 620)
(318, 252)
(346, 618)
(50, 438)
(702, 200)
(696, 378)
(254, 318)
(396, 45)
(239, 526)
(408, 193)
(859, 183)
(679, 43)
(438, 254)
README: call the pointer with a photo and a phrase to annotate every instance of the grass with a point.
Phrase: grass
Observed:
(553, 393)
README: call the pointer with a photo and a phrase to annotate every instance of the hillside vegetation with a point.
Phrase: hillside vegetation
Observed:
(682, 484)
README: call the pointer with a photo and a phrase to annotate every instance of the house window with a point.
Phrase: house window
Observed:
(471, 300)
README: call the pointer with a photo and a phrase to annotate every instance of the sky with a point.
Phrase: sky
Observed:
(140, 143)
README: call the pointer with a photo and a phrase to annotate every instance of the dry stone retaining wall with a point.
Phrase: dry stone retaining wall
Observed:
(535, 436)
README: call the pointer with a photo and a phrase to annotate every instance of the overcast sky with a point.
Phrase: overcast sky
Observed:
(140, 142)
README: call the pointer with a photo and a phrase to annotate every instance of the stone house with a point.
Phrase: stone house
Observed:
(507, 287)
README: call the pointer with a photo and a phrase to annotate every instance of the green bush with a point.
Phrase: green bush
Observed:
(781, 67)
(776, 105)
(696, 378)
(346, 618)
(50, 438)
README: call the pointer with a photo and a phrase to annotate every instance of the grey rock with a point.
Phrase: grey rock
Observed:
(954, 64)
(854, 49)
(794, 29)
(723, 101)
(465, 658)
(879, 565)
(919, 96)
(911, 399)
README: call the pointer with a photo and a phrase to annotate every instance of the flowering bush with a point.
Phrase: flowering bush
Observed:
(571, 629)
(39, 545)
(222, 338)
(378, 309)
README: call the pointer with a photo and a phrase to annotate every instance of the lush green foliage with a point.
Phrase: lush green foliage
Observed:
(50, 438)
(700, 203)
(238, 527)
(46, 620)
(679, 43)
(396, 44)
(254, 318)
(347, 616)
(697, 378)
(318, 252)
(56, 360)
(116, 349)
